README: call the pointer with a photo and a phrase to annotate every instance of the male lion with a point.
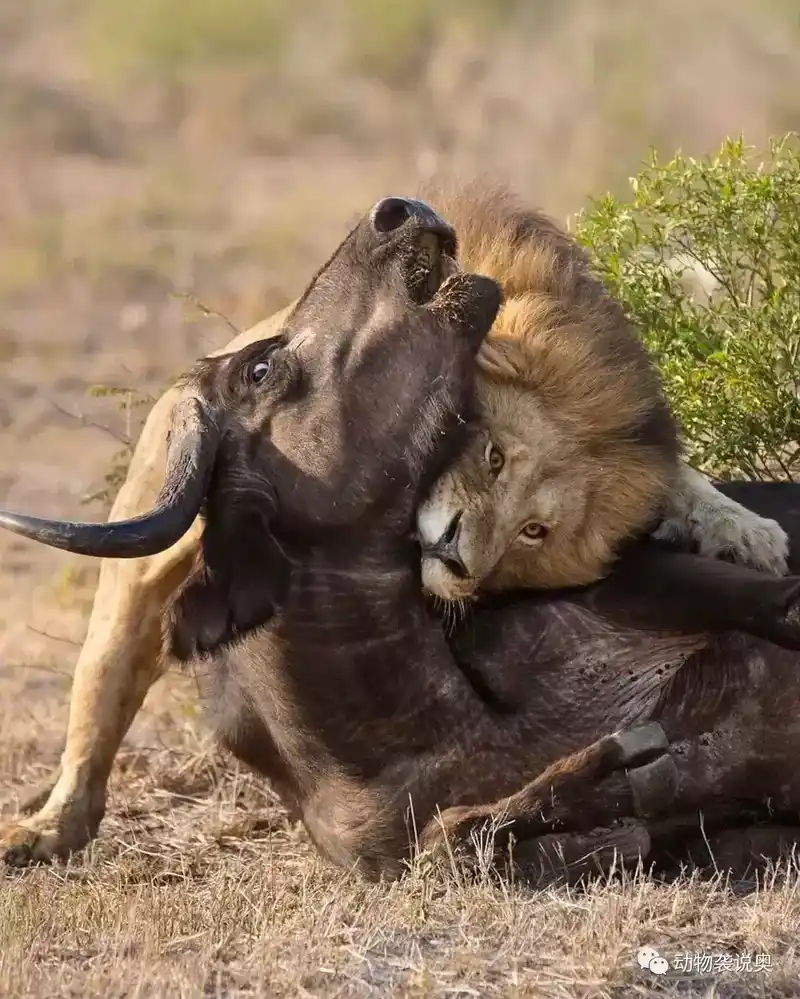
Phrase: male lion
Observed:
(123, 656)
(577, 451)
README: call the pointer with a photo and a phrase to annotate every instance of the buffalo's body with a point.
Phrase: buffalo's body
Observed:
(368, 728)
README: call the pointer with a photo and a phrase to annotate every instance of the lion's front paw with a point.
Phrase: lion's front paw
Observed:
(737, 535)
(39, 840)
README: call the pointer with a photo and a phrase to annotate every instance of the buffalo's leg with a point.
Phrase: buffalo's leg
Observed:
(627, 775)
(657, 587)
(739, 850)
(566, 858)
(119, 661)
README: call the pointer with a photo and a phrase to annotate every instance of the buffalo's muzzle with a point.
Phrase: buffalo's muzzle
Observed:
(389, 214)
(431, 239)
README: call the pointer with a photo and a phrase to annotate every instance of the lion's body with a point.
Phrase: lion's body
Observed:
(122, 654)
(572, 403)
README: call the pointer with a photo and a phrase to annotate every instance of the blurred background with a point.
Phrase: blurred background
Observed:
(154, 149)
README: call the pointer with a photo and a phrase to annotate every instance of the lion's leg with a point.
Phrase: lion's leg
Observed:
(627, 776)
(119, 661)
(699, 516)
(121, 657)
(675, 591)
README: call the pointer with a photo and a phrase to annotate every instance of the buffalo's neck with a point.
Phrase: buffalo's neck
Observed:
(353, 658)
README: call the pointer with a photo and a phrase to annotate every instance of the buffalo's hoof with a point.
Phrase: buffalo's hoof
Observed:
(641, 744)
(654, 786)
(651, 771)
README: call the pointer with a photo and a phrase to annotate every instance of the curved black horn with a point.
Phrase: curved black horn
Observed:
(190, 458)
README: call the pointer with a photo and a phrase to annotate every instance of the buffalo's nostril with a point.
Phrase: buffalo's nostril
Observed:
(390, 213)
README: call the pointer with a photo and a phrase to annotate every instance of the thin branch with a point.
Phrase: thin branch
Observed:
(707, 265)
(775, 455)
(86, 422)
(207, 310)
(55, 638)
(42, 667)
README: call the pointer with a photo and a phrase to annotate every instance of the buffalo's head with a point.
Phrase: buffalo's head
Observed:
(338, 418)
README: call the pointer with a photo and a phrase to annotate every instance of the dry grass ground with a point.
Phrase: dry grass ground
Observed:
(151, 148)
(200, 887)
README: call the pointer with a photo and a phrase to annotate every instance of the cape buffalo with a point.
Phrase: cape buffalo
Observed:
(308, 455)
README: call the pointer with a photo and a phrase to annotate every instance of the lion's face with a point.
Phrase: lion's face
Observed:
(504, 502)
(528, 504)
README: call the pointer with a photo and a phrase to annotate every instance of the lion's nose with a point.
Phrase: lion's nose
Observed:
(446, 548)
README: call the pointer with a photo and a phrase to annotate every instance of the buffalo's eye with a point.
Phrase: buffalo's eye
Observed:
(495, 458)
(259, 370)
(534, 531)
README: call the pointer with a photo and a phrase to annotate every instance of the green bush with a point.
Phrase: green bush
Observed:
(730, 353)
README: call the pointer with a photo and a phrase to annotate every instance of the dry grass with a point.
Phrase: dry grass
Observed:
(144, 153)
(200, 887)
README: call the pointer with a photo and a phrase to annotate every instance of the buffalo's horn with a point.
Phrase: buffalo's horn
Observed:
(190, 459)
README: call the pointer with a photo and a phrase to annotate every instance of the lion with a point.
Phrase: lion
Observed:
(122, 655)
(577, 451)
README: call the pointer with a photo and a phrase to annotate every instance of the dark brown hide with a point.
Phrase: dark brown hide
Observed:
(349, 698)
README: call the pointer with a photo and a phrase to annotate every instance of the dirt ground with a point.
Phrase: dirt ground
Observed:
(233, 184)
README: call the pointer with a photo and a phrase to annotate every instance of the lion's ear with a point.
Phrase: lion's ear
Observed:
(240, 578)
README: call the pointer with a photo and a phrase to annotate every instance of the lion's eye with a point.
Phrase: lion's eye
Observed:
(534, 531)
(260, 370)
(495, 458)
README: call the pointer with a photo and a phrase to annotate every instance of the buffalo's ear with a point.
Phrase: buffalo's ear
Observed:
(468, 304)
(240, 578)
(504, 359)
